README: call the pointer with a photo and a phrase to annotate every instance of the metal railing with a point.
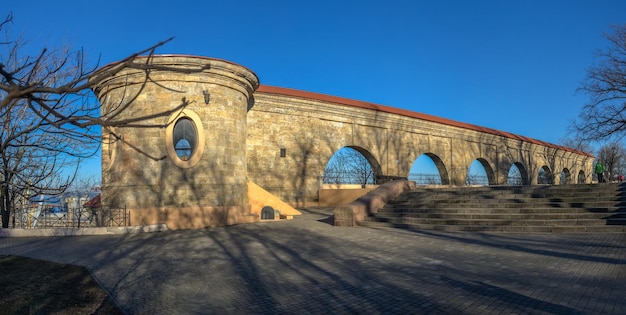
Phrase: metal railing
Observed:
(347, 178)
(73, 218)
(425, 179)
(435, 179)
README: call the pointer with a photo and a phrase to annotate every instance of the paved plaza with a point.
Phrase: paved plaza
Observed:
(306, 266)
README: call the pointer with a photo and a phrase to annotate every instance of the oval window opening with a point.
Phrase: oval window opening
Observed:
(184, 138)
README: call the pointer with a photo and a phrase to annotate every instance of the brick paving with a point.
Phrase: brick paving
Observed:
(306, 266)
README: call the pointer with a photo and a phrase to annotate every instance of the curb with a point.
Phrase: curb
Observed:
(54, 232)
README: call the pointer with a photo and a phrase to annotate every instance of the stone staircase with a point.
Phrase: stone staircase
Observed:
(514, 209)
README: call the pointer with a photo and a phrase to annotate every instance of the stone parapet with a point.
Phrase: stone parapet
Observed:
(351, 214)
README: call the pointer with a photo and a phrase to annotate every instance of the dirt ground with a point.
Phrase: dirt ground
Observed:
(31, 286)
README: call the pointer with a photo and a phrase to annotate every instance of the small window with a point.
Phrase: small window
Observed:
(267, 213)
(185, 138)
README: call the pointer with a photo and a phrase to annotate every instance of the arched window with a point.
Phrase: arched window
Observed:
(185, 138)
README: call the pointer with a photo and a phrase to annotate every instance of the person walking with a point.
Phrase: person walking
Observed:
(600, 169)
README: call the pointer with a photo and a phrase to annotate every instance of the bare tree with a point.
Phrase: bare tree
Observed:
(334, 171)
(360, 168)
(577, 143)
(32, 157)
(514, 178)
(604, 116)
(50, 119)
(613, 155)
(349, 166)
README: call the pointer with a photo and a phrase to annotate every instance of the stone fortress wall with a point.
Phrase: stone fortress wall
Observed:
(311, 127)
(236, 132)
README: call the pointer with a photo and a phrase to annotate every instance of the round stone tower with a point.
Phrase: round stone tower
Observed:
(175, 152)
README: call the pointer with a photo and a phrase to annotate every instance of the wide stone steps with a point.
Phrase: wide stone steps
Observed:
(501, 228)
(496, 216)
(554, 209)
(504, 205)
(499, 209)
(495, 221)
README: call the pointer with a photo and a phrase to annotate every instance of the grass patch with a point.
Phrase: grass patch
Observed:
(32, 286)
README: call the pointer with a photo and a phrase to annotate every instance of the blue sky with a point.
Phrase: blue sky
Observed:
(509, 65)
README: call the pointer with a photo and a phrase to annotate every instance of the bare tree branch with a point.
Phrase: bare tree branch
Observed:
(50, 119)
(348, 166)
(604, 115)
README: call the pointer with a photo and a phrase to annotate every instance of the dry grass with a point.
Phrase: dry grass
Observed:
(31, 286)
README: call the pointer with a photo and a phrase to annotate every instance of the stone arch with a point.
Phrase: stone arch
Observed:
(371, 160)
(566, 177)
(491, 178)
(523, 175)
(582, 177)
(545, 176)
(441, 167)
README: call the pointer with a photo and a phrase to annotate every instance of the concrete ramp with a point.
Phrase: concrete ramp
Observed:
(260, 199)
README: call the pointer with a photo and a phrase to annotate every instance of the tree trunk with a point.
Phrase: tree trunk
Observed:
(4, 207)
(5, 218)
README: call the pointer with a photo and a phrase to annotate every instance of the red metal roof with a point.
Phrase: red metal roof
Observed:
(93, 203)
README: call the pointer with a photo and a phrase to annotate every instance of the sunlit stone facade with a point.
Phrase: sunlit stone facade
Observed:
(190, 169)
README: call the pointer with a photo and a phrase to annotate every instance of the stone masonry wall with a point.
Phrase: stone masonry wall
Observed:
(311, 130)
(276, 138)
(138, 171)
